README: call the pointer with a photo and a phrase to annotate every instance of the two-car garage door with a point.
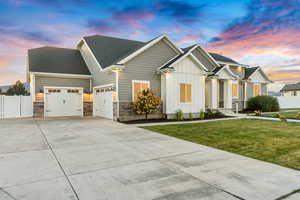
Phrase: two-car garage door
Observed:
(63, 101)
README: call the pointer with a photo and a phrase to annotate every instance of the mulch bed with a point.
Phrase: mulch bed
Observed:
(144, 121)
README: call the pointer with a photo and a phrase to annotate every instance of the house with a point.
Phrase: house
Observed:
(291, 90)
(113, 71)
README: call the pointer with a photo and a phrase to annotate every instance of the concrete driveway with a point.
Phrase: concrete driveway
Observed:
(97, 159)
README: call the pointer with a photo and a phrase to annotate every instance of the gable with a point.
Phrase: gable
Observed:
(225, 74)
(204, 59)
(188, 65)
(154, 56)
(258, 77)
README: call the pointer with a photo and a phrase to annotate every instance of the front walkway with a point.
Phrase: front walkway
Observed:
(91, 159)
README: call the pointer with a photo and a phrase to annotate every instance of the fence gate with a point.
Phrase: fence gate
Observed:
(15, 106)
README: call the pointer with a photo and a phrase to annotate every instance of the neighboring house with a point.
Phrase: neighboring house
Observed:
(115, 70)
(291, 90)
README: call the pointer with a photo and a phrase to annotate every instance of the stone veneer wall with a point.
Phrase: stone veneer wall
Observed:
(38, 109)
(126, 113)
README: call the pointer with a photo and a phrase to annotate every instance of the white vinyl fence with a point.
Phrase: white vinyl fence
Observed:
(15, 106)
(289, 101)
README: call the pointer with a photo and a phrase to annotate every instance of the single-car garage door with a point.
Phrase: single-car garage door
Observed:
(63, 101)
(103, 102)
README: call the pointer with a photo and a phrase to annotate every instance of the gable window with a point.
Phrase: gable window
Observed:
(185, 93)
(256, 90)
(139, 86)
(235, 90)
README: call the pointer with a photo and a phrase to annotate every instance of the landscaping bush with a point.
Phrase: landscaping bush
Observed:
(283, 118)
(190, 116)
(179, 115)
(147, 102)
(298, 116)
(263, 103)
(202, 115)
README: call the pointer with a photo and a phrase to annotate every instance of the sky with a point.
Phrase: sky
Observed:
(262, 33)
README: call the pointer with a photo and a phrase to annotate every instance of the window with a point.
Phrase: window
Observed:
(294, 93)
(139, 86)
(53, 91)
(256, 90)
(185, 93)
(73, 91)
(235, 90)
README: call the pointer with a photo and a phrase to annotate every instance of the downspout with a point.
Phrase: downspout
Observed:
(117, 91)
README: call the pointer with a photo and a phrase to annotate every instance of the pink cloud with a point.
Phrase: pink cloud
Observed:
(189, 39)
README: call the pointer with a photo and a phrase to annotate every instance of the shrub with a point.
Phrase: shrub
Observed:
(282, 118)
(190, 116)
(179, 115)
(209, 114)
(202, 115)
(146, 103)
(263, 103)
(257, 113)
(298, 116)
(277, 115)
(218, 114)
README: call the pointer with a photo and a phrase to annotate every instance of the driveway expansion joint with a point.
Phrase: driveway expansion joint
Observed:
(55, 157)
(7, 193)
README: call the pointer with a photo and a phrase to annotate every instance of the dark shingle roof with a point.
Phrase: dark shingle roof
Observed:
(221, 58)
(188, 48)
(291, 87)
(56, 60)
(109, 50)
(249, 72)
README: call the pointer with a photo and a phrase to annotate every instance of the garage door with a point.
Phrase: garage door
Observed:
(103, 103)
(61, 101)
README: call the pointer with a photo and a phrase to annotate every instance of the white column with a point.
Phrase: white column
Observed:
(228, 94)
(245, 94)
(214, 93)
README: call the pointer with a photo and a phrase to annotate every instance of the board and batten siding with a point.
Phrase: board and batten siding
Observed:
(99, 77)
(186, 72)
(144, 67)
(43, 81)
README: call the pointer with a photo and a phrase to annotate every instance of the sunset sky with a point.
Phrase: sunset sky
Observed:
(257, 32)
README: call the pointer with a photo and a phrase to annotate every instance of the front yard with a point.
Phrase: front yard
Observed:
(288, 115)
(270, 141)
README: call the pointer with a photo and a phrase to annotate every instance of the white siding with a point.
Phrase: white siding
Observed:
(188, 72)
(257, 77)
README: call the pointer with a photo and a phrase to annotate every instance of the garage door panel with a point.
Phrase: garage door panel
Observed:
(63, 102)
(103, 103)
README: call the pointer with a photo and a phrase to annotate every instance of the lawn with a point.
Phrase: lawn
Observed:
(289, 115)
(271, 141)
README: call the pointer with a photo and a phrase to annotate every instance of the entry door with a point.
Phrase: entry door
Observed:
(103, 103)
(61, 102)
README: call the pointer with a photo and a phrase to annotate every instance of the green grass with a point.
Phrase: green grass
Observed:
(289, 115)
(290, 109)
(271, 141)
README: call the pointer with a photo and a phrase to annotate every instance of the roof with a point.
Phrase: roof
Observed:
(168, 64)
(249, 71)
(291, 87)
(109, 50)
(221, 58)
(188, 48)
(56, 60)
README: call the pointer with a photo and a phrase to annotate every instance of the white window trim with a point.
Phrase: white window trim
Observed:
(137, 81)
(238, 89)
(185, 103)
(255, 84)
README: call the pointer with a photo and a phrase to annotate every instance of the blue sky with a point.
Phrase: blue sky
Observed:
(256, 32)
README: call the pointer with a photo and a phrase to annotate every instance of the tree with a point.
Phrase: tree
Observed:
(17, 89)
(147, 102)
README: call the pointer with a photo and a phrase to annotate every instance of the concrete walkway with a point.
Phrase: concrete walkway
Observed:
(90, 159)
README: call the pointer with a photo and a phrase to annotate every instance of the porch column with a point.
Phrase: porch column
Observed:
(245, 95)
(228, 94)
(214, 93)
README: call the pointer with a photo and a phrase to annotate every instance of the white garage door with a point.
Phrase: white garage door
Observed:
(103, 103)
(62, 101)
